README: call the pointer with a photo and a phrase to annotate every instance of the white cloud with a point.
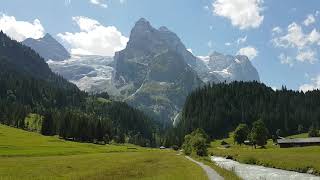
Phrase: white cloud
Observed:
(100, 3)
(296, 38)
(248, 51)
(21, 30)
(242, 13)
(314, 84)
(227, 44)
(309, 20)
(276, 30)
(241, 40)
(314, 37)
(94, 38)
(190, 50)
(307, 55)
(286, 59)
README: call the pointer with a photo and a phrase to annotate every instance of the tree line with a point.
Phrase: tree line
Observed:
(219, 108)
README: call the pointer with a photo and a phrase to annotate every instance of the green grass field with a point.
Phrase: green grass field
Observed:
(27, 155)
(297, 159)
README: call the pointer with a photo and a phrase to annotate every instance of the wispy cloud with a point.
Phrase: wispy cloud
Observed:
(100, 3)
(304, 44)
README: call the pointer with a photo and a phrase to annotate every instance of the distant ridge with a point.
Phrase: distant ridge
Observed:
(48, 48)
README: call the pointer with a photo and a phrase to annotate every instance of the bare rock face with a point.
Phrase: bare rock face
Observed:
(48, 48)
(155, 71)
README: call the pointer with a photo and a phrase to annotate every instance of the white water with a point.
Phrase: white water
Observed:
(253, 172)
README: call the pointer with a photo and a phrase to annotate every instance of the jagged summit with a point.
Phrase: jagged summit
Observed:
(142, 21)
(141, 25)
(154, 71)
(228, 68)
(163, 28)
(48, 47)
(48, 37)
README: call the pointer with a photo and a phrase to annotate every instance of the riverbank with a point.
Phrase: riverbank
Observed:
(254, 172)
(301, 159)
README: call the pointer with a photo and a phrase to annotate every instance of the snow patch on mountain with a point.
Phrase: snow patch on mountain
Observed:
(89, 73)
(227, 68)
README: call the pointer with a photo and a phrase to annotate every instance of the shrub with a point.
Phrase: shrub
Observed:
(313, 132)
(196, 142)
(250, 160)
(223, 143)
(175, 147)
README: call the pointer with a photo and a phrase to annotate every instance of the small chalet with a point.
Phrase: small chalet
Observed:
(299, 142)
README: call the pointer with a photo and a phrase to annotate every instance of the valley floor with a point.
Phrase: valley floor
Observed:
(26, 155)
(300, 159)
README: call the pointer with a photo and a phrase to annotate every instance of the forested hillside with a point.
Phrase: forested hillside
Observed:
(219, 108)
(30, 89)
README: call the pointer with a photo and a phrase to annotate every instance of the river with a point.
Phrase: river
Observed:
(254, 172)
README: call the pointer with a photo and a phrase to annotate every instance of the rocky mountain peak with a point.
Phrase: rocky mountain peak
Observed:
(163, 28)
(242, 58)
(48, 47)
(154, 71)
(48, 37)
(141, 26)
(142, 21)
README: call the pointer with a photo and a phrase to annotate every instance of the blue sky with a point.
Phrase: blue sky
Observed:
(281, 37)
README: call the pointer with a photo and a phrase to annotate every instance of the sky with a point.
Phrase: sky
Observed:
(281, 38)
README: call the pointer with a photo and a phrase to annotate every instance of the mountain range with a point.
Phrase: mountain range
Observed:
(154, 73)
(30, 89)
(228, 68)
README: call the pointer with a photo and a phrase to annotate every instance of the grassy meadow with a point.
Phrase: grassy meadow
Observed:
(27, 155)
(299, 159)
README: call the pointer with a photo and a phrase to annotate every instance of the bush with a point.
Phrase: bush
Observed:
(175, 147)
(196, 142)
(250, 160)
(313, 132)
(223, 143)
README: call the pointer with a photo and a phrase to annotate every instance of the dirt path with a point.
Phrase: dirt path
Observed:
(212, 174)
